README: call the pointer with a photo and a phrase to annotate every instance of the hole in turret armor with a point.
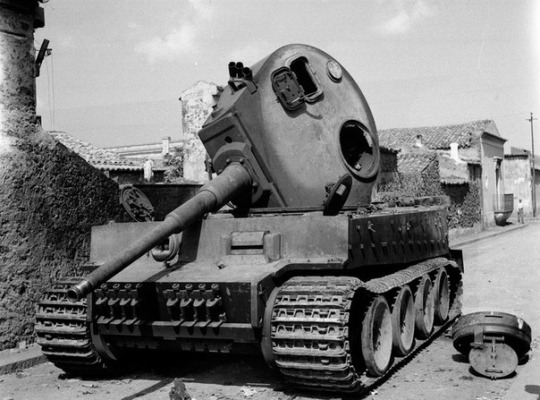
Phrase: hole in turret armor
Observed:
(359, 151)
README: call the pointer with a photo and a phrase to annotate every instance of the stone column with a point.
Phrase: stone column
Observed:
(197, 103)
(18, 20)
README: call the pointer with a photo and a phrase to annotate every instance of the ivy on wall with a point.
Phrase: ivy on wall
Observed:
(465, 202)
(174, 162)
(465, 207)
(426, 183)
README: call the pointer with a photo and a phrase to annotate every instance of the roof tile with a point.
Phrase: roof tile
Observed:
(97, 157)
(438, 137)
(415, 162)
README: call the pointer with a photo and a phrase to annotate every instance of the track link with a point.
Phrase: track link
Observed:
(63, 333)
(315, 325)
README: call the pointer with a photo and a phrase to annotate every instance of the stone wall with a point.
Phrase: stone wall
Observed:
(49, 197)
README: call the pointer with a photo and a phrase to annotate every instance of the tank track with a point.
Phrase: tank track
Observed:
(63, 333)
(316, 320)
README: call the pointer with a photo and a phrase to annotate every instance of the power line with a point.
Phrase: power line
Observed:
(533, 186)
(53, 92)
(51, 97)
(49, 102)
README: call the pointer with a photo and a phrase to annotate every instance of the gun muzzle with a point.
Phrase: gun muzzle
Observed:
(233, 181)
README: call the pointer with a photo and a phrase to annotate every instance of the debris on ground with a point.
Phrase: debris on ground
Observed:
(179, 391)
(90, 385)
(247, 392)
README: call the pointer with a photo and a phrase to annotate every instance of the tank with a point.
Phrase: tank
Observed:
(299, 265)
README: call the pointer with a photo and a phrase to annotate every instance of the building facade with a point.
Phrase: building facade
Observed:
(518, 178)
(468, 154)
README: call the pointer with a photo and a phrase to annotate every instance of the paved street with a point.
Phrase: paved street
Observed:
(501, 274)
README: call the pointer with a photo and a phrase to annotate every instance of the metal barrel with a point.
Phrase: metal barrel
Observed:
(233, 181)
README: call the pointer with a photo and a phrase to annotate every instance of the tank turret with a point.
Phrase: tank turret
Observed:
(301, 122)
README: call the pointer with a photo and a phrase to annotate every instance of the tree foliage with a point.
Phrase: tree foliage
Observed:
(174, 162)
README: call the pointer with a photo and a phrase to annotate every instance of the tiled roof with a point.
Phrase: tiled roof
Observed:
(97, 157)
(415, 162)
(438, 137)
(516, 151)
(452, 172)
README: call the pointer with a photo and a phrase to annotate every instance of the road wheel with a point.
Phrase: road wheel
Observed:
(377, 337)
(424, 308)
(403, 321)
(441, 295)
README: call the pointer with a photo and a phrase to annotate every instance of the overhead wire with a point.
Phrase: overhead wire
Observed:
(53, 91)
(49, 96)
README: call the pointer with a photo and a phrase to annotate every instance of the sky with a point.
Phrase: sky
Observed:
(118, 68)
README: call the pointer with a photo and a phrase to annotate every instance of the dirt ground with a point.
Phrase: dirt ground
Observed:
(500, 275)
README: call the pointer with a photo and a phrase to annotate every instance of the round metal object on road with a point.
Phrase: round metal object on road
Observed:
(471, 328)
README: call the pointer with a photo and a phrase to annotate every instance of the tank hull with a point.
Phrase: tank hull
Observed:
(214, 296)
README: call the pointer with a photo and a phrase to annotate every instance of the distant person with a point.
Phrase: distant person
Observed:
(520, 212)
(148, 172)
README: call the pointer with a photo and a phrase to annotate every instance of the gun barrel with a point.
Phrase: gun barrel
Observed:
(234, 180)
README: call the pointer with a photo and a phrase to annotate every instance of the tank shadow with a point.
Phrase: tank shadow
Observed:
(221, 369)
(478, 375)
(533, 389)
(460, 358)
(214, 369)
(155, 387)
(524, 360)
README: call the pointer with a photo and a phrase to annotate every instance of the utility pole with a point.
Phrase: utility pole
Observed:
(531, 119)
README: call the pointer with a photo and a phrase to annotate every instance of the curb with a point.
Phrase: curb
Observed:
(14, 360)
(459, 242)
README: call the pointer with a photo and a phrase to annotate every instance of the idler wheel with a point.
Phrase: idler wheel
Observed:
(424, 308)
(441, 288)
(403, 321)
(377, 337)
